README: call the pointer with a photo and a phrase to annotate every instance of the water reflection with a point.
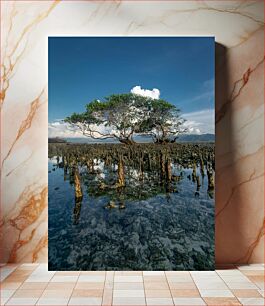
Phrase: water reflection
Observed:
(146, 185)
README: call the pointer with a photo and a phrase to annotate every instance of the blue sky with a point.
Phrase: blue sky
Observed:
(82, 69)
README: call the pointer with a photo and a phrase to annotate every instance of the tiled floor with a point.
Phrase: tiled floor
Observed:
(33, 284)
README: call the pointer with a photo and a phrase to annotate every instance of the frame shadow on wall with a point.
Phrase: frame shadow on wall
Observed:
(228, 224)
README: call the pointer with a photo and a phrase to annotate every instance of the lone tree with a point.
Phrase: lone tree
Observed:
(122, 116)
(118, 117)
(164, 123)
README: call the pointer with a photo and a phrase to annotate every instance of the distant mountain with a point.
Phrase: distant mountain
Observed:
(141, 139)
(196, 138)
(56, 140)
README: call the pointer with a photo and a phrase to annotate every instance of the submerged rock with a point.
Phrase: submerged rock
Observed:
(111, 205)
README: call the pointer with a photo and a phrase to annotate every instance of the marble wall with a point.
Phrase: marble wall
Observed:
(238, 27)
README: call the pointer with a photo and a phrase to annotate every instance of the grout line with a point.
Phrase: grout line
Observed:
(145, 298)
(112, 292)
(102, 296)
(232, 289)
(74, 287)
(172, 298)
(143, 280)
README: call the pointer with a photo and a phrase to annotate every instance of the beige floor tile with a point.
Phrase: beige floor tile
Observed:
(155, 278)
(64, 279)
(91, 278)
(153, 273)
(218, 301)
(252, 301)
(53, 301)
(128, 279)
(42, 272)
(107, 297)
(203, 273)
(28, 293)
(256, 278)
(61, 286)
(188, 301)
(232, 272)
(128, 273)
(156, 286)
(122, 301)
(129, 286)
(28, 266)
(179, 279)
(87, 293)
(128, 293)
(234, 278)
(246, 293)
(177, 273)
(39, 278)
(68, 273)
(89, 285)
(241, 285)
(253, 272)
(4, 273)
(5, 269)
(157, 293)
(9, 285)
(110, 275)
(7, 293)
(216, 293)
(34, 286)
(251, 267)
(261, 293)
(19, 274)
(182, 286)
(22, 301)
(211, 285)
(108, 285)
(182, 293)
(56, 294)
(210, 278)
(85, 301)
(260, 285)
(3, 300)
(93, 273)
(16, 278)
(24, 270)
(159, 301)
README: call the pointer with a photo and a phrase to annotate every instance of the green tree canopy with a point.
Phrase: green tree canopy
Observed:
(124, 115)
(164, 123)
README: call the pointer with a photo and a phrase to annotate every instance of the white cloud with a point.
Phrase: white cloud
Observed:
(200, 122)
(63, 130)
(153, 94)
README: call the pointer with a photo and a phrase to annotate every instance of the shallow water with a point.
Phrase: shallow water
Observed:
(151, 227)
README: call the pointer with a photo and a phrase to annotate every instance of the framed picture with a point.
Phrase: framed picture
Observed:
(131, 153)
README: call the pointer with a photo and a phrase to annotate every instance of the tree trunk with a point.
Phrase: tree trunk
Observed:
(77, 210)
(121, 174)
(127, 141)
(210, 180)
(194, 172)
(78, 187)
(168, 169)
(162, 166)
(198, 182)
